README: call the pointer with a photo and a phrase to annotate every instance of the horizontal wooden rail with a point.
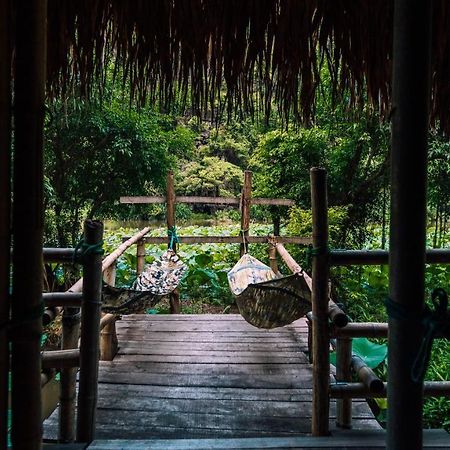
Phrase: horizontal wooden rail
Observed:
(226, 239)
(58, 255)
(362, 329)
(235, 201)
(61, 359)
(360, 390)
(63, 299)
(379, 257)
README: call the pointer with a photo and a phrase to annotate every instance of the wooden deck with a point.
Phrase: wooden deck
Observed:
(207, 376)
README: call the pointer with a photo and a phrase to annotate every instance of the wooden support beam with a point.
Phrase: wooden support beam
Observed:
(29, 106)
(343, 374)
(227, 239)
(273, 258)
(366, 375)
(360, 390)
(67, 396)
(233, 201)
(246, 197)
(63, 299)
(58, 255)
(174, 297)
(140, 257)
(57, 359)
(362, 329)
(5, 208)
(90, 334)
(320, 300)
(409, 125)
(379, 257)
(108, 336)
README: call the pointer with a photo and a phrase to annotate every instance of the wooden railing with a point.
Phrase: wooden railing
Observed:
(98, 335)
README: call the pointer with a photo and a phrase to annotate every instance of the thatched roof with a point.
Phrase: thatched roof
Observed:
(255, 51)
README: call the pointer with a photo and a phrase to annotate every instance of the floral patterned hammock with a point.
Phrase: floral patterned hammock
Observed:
(158, 279)
(267, 300)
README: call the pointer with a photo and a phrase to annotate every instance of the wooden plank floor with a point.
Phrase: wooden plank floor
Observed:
(211, 376)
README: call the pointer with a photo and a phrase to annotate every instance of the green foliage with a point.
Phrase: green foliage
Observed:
(210, 176)
(371, 353)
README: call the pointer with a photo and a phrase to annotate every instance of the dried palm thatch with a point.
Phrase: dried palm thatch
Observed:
(236, 55)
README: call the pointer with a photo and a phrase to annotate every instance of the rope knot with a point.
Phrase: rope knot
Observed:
(173, 237)
(82, 250)
(311, 252)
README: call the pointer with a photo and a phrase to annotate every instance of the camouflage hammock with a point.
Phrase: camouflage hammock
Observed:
(267, 300)
(157, 280)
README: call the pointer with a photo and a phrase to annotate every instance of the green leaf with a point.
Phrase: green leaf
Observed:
(203, 260)
(372, 354)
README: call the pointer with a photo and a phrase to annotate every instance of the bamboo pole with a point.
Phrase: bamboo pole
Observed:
(140, 257)
(64, 299)
(320, 328)
(5, 209)
(343, 373)
(56, 359)
(360, 390)
(29, 93)
(273, 258)
(366, 375)
(174, 297)
(363, 329)
(67, 395)
(108, 336)
(227, 239)
(411, 74)
(246, 198)
(90, 333)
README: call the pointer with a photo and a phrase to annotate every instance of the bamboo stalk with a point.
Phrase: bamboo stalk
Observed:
(380, 257)
(320, 300)
(58, 255)
(64, 299)
(363, 329)
(29, 106)
(67, 396)
(140, 257)
(246, 198)
(366, 375)
(90, 334)
(57, 359)
(227, 239)
(409, 133)
(343, 373)
(360, 390)
(108, 336)
(174, 297)
(5, 209)
(273, 258)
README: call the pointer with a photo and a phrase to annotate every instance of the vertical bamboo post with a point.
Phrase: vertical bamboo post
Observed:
(246, 198)
(5, 208)
(343, 373)
(90, 333)
(320, 327)
(174, 297)
(29, 93)
(411, 74)
(273, 258)
(67, 396)
(108, 336)
(140, 257)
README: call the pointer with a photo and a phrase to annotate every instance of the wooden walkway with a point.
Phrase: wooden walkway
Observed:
(207, 376)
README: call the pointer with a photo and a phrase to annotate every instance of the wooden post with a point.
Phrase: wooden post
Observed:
(273, 258)
(174, 298)
(343, 373)
(411, 74)
(90, 334)
(5, 208)
(320, 327)
(67, 397)
(108, 336)
(29, 93)
(246, 198)
(140, 257)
